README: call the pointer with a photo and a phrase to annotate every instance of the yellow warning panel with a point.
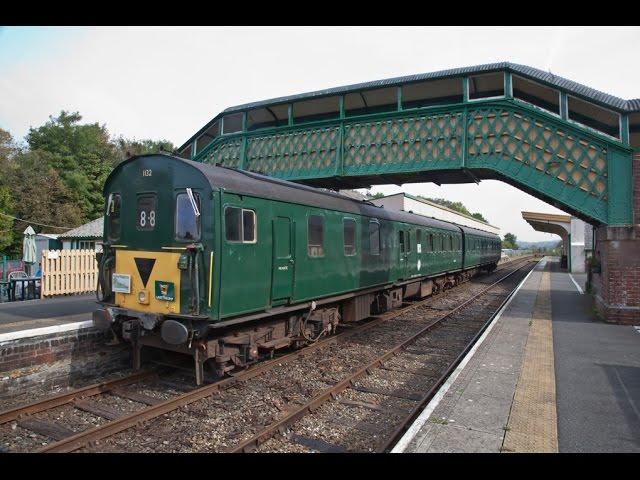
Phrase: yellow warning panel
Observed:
(533, 421)
(147, 281)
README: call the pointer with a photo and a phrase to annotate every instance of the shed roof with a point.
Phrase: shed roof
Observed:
(93, 229)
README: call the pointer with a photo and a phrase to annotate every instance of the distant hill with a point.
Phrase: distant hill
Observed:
(544, 244)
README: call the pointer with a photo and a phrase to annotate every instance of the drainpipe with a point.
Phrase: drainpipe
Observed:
(569, 255)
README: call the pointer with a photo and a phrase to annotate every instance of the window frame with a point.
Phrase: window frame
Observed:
(111, 236)
(345, 220)
(322, 217)
(154, 195)
(377, 222)
(255, 225)
(198, 218)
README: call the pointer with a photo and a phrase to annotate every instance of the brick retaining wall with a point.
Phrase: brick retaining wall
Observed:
(57, 360)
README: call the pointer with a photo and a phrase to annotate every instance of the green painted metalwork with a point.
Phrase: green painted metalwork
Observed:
(573, 167)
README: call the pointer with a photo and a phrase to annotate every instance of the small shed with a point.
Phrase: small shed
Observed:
(47, 241)
(84, 237)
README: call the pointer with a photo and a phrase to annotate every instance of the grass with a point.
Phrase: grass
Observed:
(438, 421)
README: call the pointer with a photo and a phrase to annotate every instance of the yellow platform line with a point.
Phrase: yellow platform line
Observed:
(533, 421)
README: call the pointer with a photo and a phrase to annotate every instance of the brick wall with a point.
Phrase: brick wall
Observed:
(635, 166)
(57, 360)
(617, 287)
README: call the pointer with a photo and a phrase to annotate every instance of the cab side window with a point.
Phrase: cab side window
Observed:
(113, 214)
(187, 222)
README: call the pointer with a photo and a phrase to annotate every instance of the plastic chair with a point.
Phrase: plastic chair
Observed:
(14, 275)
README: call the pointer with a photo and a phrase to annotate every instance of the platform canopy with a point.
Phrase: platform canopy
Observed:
(549, 223)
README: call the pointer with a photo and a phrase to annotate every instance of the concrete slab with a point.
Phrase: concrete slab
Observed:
(493, 384)
(481, 413)
(455, 439)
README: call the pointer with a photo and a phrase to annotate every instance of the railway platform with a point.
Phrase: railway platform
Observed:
(52, 314)
(547, 376)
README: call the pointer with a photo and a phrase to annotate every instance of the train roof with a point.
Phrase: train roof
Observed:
(254, 184)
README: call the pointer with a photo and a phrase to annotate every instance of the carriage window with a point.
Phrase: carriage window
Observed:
(240, 225)
(233, 224)
(402, 246)
(113, 214)
(349, 228)
(248, 226)
(146, 212)
(374, 237)
(187, 222)
(419, 241)
(315, 236)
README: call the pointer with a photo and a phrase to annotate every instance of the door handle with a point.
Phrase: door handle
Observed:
(291, 260)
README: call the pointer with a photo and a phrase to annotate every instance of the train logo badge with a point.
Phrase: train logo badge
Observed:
(165, 291)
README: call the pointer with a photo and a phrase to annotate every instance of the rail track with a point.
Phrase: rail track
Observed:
(65, 439)
(425, 360)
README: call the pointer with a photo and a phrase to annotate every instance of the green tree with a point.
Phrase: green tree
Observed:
(510, 241)
(42, 196)
(128, 148)
(8, 151)
(82, 155)
(480, 217)
(375, 196)
(455, 206)
(6, 222)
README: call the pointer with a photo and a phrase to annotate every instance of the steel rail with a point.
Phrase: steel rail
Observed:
(94, 434)
(68, 397)
(332, 392)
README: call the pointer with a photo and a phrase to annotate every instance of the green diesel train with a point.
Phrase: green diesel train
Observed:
(229, 266)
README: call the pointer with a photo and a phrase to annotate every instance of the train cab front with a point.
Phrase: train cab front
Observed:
(155, 267)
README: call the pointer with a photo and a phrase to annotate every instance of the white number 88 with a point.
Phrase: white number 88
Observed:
(152, 218)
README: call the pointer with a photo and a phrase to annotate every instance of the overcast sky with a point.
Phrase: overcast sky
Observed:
(166, 83)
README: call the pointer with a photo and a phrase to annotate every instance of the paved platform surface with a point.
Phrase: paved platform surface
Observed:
(548, 376)
(45, 312)
(597, 375)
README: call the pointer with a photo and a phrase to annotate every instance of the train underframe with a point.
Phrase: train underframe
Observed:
(224, 347)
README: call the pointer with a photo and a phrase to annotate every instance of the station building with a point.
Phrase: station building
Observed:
(409, 203)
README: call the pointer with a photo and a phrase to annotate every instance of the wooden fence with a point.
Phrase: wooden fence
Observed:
(67, 272)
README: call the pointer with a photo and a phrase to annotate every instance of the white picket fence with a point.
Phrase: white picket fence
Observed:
(66, 272)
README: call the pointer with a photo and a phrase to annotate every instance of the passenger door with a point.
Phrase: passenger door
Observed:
(403, 241)
(283, 261)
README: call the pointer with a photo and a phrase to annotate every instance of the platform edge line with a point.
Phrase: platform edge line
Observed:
(38, 332)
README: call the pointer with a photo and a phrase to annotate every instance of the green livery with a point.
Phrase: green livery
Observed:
(224, 247)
